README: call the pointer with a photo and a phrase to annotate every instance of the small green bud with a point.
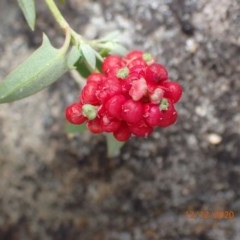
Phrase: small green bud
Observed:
(164, 104)
(123, 72)
(89, 111)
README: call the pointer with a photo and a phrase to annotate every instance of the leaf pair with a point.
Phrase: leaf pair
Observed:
(89, 60)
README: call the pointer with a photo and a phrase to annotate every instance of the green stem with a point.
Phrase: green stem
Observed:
(57, 14)
(76, 38)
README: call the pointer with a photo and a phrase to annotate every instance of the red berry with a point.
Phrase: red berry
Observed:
(141, 129)
(152, 114)
(165, 122)
(109, 124)
(123, 133)
(109, 88)
(173, 91)
(96, 78)
(94, 125)
(111, 64)
(135, 54)
(88, 94)
(169, 115)
(114, 105)
(74, 115)
(156, 73)
(137, 62)
(132, 111)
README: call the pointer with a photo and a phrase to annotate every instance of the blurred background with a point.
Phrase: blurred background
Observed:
(60, 186)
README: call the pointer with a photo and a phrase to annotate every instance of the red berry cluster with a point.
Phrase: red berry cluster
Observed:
(132, 95)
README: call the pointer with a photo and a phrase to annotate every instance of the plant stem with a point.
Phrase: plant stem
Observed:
(76, 38)
(57, 14)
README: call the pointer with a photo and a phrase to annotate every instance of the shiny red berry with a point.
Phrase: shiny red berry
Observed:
(172, 90)
(135, 54)
(132, 111)
(156, 73)
(123, 133)
(168, 113)
(111, 64)
(114, 105)
(152, 114)
(74, 114)
(109, 88)
(165, 122)
(88, 94)
(109, 124)
(141, 129)
(95, 126)
(96, 78)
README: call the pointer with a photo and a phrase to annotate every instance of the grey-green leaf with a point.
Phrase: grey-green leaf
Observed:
(40, 70)
(29, 11)
(89, 55)
(110, 36)
(73, 55)
(116, 48)
(72, 128)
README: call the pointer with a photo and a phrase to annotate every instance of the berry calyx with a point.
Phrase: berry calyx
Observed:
(164, 104)
(89, 111)
(148, 58)
(122, 73)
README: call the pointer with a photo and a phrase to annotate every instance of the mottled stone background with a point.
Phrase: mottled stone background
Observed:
(63, 187)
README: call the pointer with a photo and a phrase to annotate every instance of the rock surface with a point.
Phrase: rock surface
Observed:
(58, 186)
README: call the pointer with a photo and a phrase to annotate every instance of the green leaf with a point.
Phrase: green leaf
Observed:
(113, 146)
(110, 36)
(72, 128)
(82, 69)
(89, 55)
(29, 11)
(40, 70)
(73, 56)
(116, 48)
